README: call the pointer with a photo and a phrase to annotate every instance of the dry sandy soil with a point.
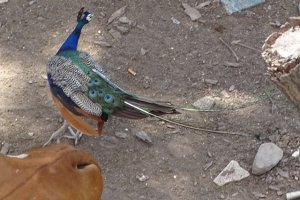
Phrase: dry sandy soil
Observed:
(179, 59)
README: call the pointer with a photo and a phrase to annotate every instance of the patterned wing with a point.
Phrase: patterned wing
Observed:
(73, 81)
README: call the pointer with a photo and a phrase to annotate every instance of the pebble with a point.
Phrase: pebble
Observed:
(122, 29)
(259, 195)
(231, 88)
(125, 20)
(44, 76)
(116, 14)
(193, 13)
(141, 177)
(224, 94)
(143, 136)
(144, 51)
(282, 173)
(121, 135)
(103, 44)
(115, 34)
(267, 157)
(204, 4)
(31, 2)
(3, 1)
(208, 165)
(231, 173)
(30, 134)
(211, 81)
(205, 103)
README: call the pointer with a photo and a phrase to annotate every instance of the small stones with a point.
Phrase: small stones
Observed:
(3, 1)
(122, 29)
(232, 64)
(103, 44)
(211, 81)
(115, 34)
(30, 134)
(44, 76)
(143, 136)
(125, 20)
(208, 165)
(121, 135)
(175, 21)
(202, 5)
(193, 13)
(116, 14)
(231, 173)
(205, 103)
(267, 157)
(144, 51)
(231, 88)
(141, 177)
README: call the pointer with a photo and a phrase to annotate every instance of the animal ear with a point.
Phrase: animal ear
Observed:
(80, 13)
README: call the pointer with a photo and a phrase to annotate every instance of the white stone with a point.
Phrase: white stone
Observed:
(231, 173)
(3, 1)
(267, 157)
(205, 103)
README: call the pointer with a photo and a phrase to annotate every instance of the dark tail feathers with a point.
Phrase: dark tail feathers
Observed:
(156, 108)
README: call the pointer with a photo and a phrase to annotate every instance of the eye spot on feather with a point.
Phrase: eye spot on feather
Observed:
(100, 92)
(90, 83)
(93, 95)
(108, 98)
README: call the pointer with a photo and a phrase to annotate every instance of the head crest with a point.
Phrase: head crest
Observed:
(80, 13)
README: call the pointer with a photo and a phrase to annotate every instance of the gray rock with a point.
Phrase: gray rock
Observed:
(205, 103)
(231, 173)
(115, 34)
(193, 13)
(121, 135)
(103, 44)
(142, 135)
(3, 1)
(122, 29)
(267, 157)
(211, 81)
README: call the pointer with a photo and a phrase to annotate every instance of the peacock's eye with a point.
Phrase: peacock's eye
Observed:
(97, 82)
(108, 98)
(100, 92)
(90, 83)
(92, 94)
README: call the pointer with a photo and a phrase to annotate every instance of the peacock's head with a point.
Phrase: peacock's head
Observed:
(84, 17)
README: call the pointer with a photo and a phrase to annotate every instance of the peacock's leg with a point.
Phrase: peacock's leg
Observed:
(75, 136)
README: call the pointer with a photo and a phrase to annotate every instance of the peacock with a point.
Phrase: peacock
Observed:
(81, 89)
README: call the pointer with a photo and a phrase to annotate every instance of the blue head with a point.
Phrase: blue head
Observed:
(83, 18)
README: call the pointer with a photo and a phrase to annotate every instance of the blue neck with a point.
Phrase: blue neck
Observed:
(72, 41)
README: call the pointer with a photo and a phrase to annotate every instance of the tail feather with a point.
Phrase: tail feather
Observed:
(182, 124)
(156, 108)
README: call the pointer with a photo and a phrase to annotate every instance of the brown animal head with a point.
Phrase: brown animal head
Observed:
(57, 172)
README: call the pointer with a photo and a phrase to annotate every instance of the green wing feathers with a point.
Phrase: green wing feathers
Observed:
(85, 82)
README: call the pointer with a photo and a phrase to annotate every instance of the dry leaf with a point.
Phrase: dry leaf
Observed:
(131, 71)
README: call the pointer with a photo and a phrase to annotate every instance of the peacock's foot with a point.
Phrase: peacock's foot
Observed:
(56, 135)
(74, 136)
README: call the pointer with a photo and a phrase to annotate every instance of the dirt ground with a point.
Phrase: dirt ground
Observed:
(179, 59)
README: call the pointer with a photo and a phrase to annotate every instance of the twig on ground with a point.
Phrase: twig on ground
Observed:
(271, 101)
(232, 51)
(244, 45)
